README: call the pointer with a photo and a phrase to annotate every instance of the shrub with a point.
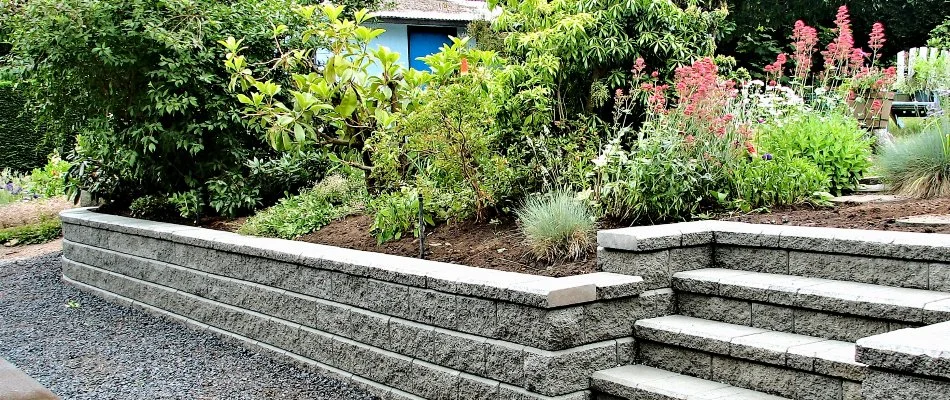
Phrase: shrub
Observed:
(831, 141)
(767, 181)
(333, 198)
(50, 181)
(396, 214)
(940, 35)
(556, 226)
(45, 230)
(919, 166)
(142, 82)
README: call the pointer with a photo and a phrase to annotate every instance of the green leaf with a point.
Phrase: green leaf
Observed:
(347, 104)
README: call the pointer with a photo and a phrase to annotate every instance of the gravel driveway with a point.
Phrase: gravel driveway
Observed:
(102, 351)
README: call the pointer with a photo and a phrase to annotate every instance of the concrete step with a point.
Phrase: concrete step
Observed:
(635, 382)
(795, 366)
(800, 352)
(825, 308)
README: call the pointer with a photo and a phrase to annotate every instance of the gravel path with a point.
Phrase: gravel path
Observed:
(102, 351)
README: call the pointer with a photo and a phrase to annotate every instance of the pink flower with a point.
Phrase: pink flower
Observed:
(877, 39)
(655, 74)
(639, 65)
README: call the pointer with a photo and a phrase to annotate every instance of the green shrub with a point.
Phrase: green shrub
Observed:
(46, 230)
(396, 214)
(656, 180)
(940, 36)
(50, 181)
(21, 147)
(556, 226)
(831, 141)
(919, 166)
(765, 183)
(333, 198)
(142, 82)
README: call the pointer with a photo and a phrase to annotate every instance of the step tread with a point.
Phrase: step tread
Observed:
(634, 381)
(864, 299)
(806, 353)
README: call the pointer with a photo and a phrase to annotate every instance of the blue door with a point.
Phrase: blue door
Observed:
(425, 40)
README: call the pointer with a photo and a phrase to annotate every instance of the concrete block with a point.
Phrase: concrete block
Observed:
(884, 385)
(504, 361)
(608, 285)
(773, 261)
(458, 351)
(676, 359)
(473, 387)
(652, 266)
(563, 372)
(476, 316)
(545, 329)
(550, 293)
(431, 307)
(939, 277)
(888, 272)
(411, 339)
(690, 258)
(775, 318)
(693, 333)
(369, 327)
(923, 351)
(836, 327)
(433, 382)
(641, 238)
(626, 351)
(775, 380)
(768, 347)
(715, 308)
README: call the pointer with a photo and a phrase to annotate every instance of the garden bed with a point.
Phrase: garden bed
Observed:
(875, 216)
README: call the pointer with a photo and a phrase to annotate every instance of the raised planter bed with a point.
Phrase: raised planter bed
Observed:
(398, 326)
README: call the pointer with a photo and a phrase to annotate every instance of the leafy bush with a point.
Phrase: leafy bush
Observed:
(395, 214)
(339, 109)
(142, 82)
(50, 181)
(45, 230)
(766, 182)
(333, 198)
(919, 166)
(940, 36)
(831, 141)
(557, 226)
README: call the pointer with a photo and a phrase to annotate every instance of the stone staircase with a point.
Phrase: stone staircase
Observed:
(752, 335)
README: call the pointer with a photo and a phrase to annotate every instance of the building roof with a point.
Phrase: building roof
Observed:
(434, 10)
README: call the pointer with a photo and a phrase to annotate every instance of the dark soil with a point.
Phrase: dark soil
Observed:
(500, 246)
(876, 216)
(495, 246)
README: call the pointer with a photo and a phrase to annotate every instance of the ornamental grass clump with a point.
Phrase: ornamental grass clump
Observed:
(919, 166)
(557, 226)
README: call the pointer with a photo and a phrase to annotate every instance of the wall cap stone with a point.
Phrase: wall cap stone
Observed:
(525, 289)
(873, 243)
(924, 351)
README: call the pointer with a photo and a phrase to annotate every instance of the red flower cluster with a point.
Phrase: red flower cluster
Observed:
(877, 39)
(838, 51)
(775, 70)
(806, 38)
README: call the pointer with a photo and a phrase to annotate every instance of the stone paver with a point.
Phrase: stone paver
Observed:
(926, 220)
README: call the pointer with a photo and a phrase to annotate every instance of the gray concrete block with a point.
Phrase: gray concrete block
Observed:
(545, 329)
(369, 327)
(458, 351)
(473, 387)
(382, 297)
(316, 345)
(883, 385)
(851, 391)
(939, 277)
(652, 266)
(937, 312)
(433, 382)
(693, 333)
(888, 272)
(746, 235)
(504, 361)
(768, 347)
(626, 351)
(563, 372)
(609, 285)
(508, 392)
(768, 260)
(924, 351)
(431, 307)
(775, 318)
(690, 258)
(836, 327)
(715, 308)
(676, 359)
(476, 316)
(641, 238)
(775, 380)
(410, 338)
(550, 293)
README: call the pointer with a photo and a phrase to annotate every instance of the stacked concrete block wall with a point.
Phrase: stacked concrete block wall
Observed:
(774, 309)
(399, 327)
(911, 363)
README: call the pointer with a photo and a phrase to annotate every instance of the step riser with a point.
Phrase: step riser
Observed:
(781, 318)
(779, 381)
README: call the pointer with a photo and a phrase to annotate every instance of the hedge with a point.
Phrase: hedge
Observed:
(20, 141)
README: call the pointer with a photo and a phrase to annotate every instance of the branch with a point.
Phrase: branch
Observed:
(359, 166)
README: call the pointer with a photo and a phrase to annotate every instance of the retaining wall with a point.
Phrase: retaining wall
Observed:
(399, 327)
